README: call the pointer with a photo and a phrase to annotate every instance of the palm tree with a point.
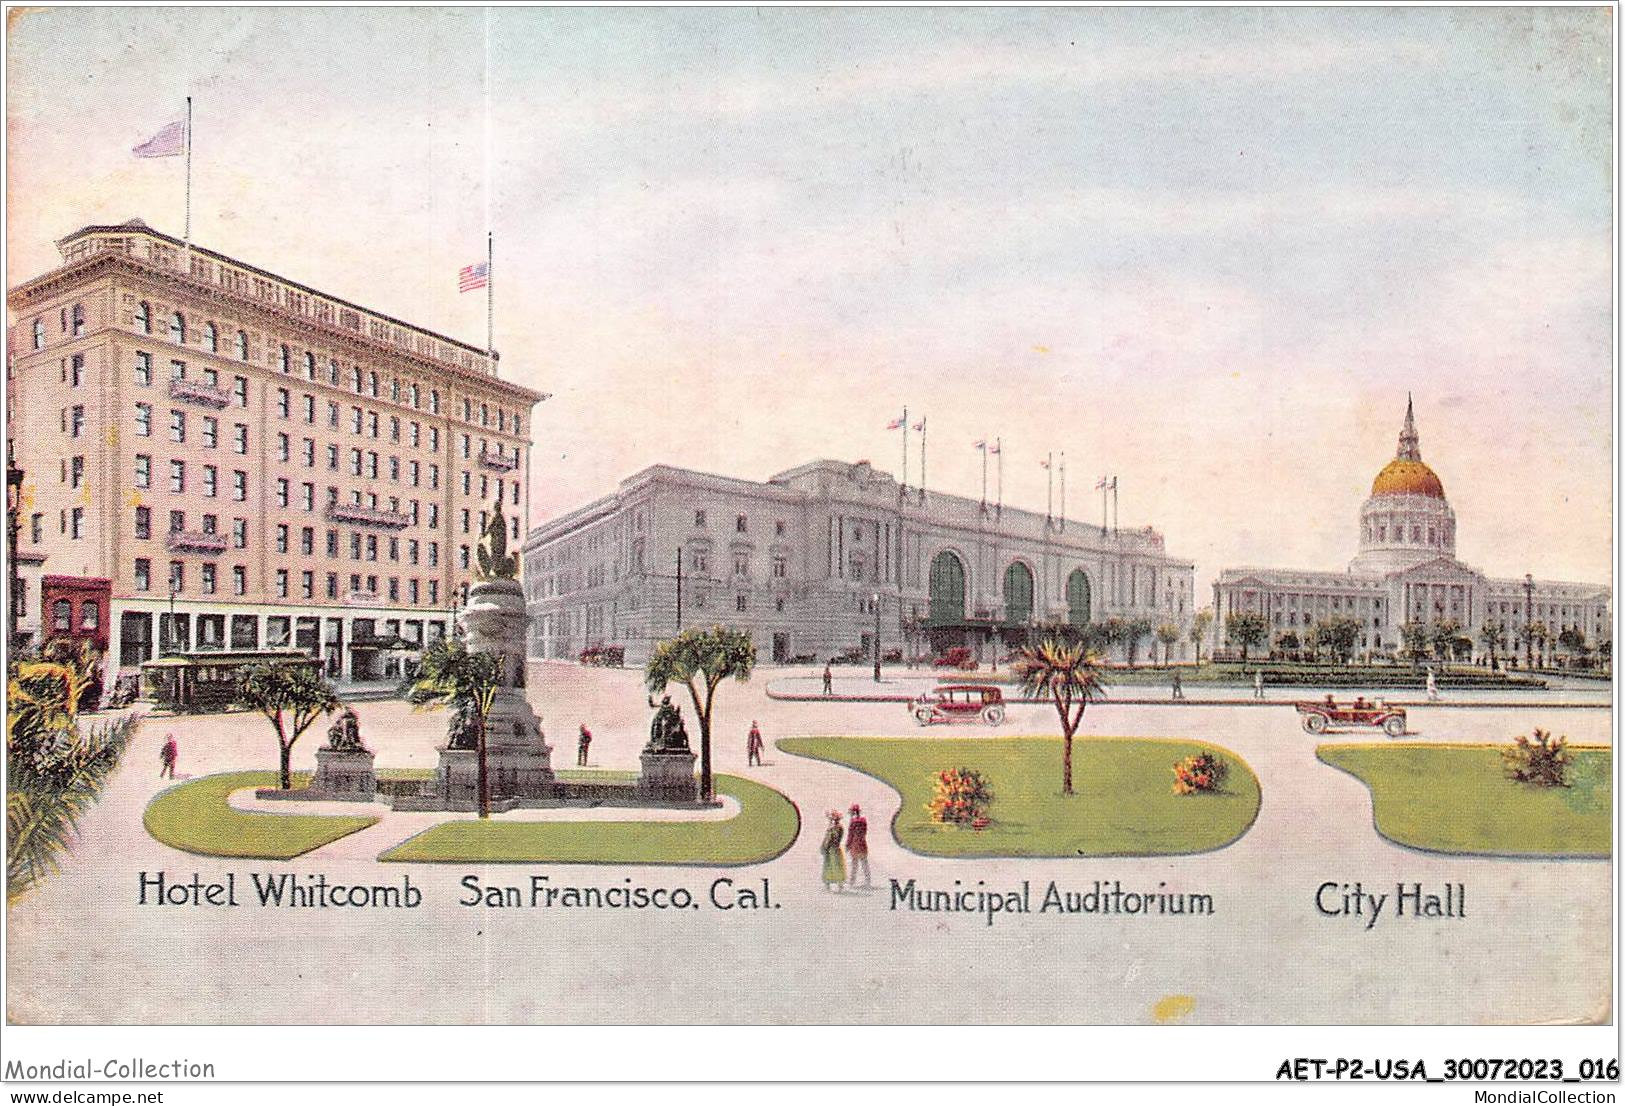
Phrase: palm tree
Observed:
(451, 675)
(1068, 675)
(1540, 634)
(1201, 623)
(291, 696)
(1493, 637)
(1167, 633)
(702, 659)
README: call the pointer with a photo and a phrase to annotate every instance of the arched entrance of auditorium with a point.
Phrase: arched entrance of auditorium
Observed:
(1077, 598)
(947, 589)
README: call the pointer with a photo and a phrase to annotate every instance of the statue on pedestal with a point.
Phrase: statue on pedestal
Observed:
(667, 733)
(495, 561)
(345, 733)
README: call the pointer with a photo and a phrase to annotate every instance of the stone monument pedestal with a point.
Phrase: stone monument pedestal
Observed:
(668, 777)
(342, 775)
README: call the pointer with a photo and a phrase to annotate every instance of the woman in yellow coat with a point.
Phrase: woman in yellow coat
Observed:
(834, 862)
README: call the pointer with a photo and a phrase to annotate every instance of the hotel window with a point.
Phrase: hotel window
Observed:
(372, 547)
(143, 471)
(412, 473)
(78, 319)
(239, 485)
(779, 568)
(394, 589)
(77, 523)
(485, 415)
(39, 333)
(395, 549)
(282, 444)
(239, 580)
(239, 533)
(414, 434)
(513, 496)
(310, 453)
(282, 537)
(372, 384)
(282, 583)
(502, 420)
(355, 462)
(394, 428)
(414, 397)
(76, 421)
(372, 424)
(310, 410)
(462, 556)
(332, 456)
(434, 475)
(434, 554)
(282, 402)
(740, 524)
(395, 388)
(434, 401)
(307, 584)
(395, 468)
(699, 518)
(282, 493)
(177, 476)
(143, 522)
(434, 439)
(143, 420)
(411, 551)
(208, 579)
(143, 574)
(211, 338)
(143, 369)
(355, 546)
(211, 432)
(485, 487)
(468, 411)
(310, 365)
(332, 371)
(739, 602)
(466, 523)
(242, 346)
(239, 390)
(466, 484)
(282, 355)
(434, 516)
(76, 369)
(413, 586)
(211, 378)
(332, 585)
(355, 420)
(333, 543)
(307, 496)
(355, 379)
(333, 415)
(434, 592)
(210, 481)
(465, 447)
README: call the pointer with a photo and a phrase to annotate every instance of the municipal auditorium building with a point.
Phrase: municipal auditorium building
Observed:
(1407, 571)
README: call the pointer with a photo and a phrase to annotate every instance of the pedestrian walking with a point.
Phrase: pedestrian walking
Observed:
(857, 846)
(1258, 684)
(583, 743)
(834, 873)
(753, 746)
(829, 680)
(1433, 687)
(167, 757)
(1179, 688)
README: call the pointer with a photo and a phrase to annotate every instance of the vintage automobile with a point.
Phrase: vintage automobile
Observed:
(1319, 715)
(959, 703)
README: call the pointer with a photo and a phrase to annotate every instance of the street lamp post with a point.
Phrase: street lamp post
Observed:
(1528, 619)
(172, 635)
(876, 599)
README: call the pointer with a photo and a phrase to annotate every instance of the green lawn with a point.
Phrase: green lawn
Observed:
(1123, 804)
(1455, 799)
(194, 817)
(766, 825)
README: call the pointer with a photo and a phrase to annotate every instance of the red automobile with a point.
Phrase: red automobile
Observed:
(1319, 715)
(959, 703)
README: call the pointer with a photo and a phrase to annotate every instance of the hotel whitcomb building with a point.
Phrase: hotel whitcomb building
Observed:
(249, 462)
(815, 559)
(1406, 571)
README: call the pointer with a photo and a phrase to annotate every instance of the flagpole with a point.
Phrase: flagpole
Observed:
(903, 487)
(490, 257)
(983, 447)
(1049, 473)
(922, 459)
(998, 447)
(1063, 491)
(186, 233)
(1114, 506)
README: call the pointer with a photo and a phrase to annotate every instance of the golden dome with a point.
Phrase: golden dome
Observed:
(1406, 477)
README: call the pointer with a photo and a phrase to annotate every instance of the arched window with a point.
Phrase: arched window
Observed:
(62, 616)
(947, 589)
(143, 317)
(1077, 598)
(177, 329)
(242, 346)
(355, 379)
(414, 397)
(1018, 592)
(310, 365)
(332, 371)
(39, 333)
(90, 615)
(283, 356)
(211, 338)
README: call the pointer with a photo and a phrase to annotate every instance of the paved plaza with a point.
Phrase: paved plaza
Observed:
(82, 950)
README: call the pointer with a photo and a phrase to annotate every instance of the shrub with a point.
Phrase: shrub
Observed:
(1202, 772)
(959, 657)
(962, 797)
(1543, 761)
(603, 656)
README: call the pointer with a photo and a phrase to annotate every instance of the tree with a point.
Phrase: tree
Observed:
(1167, 633)
(1201, 624)
(1288, 642)
(1247, 628)
(702, 659)
(1338, 636)
(1069, 676)
(1413, 638)
(1492, 635)
(1573, 641)
(1540, 634)
(451, 675)
(291, 696)
(1133, 631)
(1443, 635)
(1112, 633)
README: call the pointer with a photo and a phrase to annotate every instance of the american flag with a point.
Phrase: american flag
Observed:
(470, 277)
(1103, 482)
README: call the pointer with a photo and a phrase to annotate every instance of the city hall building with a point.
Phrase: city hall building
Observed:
(251, 463)
(1406, 571)
(816, 560)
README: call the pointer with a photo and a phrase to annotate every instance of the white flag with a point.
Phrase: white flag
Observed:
(169, 142)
